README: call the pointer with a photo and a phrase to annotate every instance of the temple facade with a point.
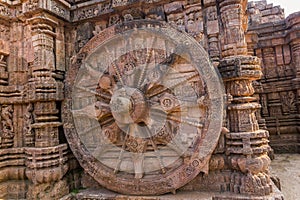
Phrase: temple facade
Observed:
(65, 80)
(274, 39)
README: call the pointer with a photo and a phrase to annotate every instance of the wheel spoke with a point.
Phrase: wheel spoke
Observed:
(149, 55)
(115, 66)
(92, 71)
(156, 151)
(121, 154)
(176, 83)
(86, 131)
(93, 92)
(117, 70)
(187, 121)
(175, 145)
(107, 121)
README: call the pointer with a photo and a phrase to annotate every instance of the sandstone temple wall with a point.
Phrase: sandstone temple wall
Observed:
(40, 40)
(275, 39)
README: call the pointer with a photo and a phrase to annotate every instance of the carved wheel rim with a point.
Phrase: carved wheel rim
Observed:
(143, 109)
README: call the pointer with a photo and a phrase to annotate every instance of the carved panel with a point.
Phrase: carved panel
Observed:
(132, 14)
(174, 7)
(7, 128)
(155, 13)
(4, 38)
(3, 70)
(114, 19)
(177, 20)
(46, 165)
(92, 11)
(288, 100)
(194, 22)
(28, 130)
(269, 61)
(60, 10)
(212, 20)
(5, 11)
(118, 3)
(31, 5)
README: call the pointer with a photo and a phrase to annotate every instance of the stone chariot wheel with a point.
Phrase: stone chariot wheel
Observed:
(143, 109)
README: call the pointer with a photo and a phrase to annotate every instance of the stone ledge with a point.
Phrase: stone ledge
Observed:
(104, 194)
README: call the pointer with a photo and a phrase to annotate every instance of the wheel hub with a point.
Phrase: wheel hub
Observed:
(128, 106)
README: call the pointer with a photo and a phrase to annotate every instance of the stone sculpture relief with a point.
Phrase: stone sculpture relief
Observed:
(28, 131)
(7, 129)
(47, 45)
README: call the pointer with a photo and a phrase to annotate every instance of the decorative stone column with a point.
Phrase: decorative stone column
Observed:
(47, 159)
(247, 145)
(212, 30)
(45, 91)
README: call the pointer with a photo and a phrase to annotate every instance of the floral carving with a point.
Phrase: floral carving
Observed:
(5, 11)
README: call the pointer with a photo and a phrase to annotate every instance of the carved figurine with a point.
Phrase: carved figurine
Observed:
(7, 122)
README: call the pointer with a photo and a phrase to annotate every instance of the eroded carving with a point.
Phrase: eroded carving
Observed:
(7, 129)
(126, 90)
(31, 5)
(177, 20)
(28, 131)
(194, 24)
(5, 11)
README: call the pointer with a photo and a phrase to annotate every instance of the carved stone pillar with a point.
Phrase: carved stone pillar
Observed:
(212, 30)
(247, 145)
(234, 24)
(47, 160)
(45, 91)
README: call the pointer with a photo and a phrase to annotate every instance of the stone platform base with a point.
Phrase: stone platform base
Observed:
(103, 194)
